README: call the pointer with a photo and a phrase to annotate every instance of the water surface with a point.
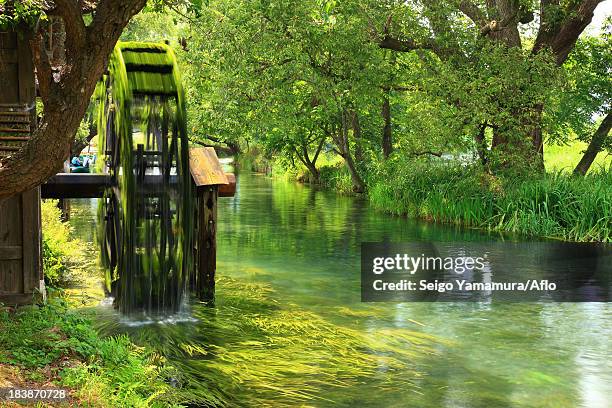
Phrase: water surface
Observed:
(304, 245)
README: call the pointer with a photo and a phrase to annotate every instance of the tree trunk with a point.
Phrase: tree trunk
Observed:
(356, 126)
(311, 164)
(387, 138)
(481, 144)
(597, 142)
(536, 138)
(358, 184)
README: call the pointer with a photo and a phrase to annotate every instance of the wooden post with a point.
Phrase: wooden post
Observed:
(64, 205)
(20, 229)
(207, 242)
(208, 178)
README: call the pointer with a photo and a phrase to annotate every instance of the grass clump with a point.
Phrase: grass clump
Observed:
(58, 346)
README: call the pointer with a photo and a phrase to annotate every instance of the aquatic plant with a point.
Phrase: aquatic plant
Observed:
(251, 351)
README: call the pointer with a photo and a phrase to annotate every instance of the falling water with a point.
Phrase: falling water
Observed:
(146, 217)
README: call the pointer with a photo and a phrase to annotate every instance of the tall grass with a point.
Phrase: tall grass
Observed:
(555, 205)
(62, 252)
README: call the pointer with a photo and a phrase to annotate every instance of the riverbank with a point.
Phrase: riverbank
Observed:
(555, 205)
(55, 346)
(53, 343)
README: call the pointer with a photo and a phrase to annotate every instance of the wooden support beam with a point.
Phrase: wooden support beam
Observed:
(77, 185)
(206, 244)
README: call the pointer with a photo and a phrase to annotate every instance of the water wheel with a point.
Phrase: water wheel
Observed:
(145, 217)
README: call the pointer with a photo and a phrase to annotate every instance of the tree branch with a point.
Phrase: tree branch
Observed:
(70, 12)
(319, 148)
(473, 12)
(561, 38)
(426, 153)
(42, 64)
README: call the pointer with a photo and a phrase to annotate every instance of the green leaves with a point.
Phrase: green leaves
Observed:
(27, 12)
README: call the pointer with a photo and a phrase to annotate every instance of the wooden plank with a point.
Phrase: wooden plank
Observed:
(9, 75)
(10, 148)
(10, 221)
(16, 298)
(14, 138)
(27, 85)
(11, 253)
(205, 167)
(8, 40)
(8, 56)
(12, 274)
(206, 243)
(14, 130)
(31, 242)
(17, 113)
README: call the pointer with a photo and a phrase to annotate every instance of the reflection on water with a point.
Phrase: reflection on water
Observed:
(304, 244)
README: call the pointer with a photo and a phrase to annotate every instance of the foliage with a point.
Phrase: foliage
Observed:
(587, 91)
(61, 251)
(106, 372)
(27, 12)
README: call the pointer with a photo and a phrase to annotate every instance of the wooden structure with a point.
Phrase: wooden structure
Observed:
(20, 230)
(208, 177)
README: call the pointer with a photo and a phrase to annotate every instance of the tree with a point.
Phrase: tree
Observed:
(65, 90)
(490, 25)
(598, 142)
(290, 70)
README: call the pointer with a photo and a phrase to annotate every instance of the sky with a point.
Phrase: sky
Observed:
(603, 10)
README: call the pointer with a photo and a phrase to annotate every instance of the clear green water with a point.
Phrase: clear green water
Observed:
(303, 245)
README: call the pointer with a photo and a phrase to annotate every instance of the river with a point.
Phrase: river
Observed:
(289, 328)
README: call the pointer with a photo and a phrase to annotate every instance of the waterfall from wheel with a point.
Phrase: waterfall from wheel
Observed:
(145, 219)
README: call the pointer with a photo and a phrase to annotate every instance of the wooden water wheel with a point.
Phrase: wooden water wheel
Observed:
(146, 214)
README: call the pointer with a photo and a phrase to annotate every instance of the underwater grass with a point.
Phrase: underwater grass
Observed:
(554, 205)
(250, 351)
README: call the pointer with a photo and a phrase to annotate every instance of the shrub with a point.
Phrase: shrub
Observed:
(60, 249)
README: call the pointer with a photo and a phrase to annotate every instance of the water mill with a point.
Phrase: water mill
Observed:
(157, 196)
